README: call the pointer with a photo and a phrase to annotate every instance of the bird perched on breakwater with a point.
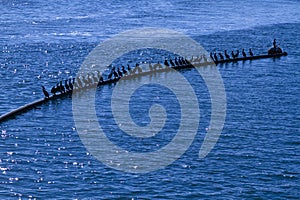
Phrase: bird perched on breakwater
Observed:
(45, 92)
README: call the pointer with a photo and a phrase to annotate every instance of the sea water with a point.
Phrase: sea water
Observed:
(257, 154)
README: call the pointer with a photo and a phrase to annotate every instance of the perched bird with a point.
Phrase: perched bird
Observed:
(62, 88)
(226, 55)
(215, 57)
(70, 84)
(233, 55)
(237, 54)
(221, 56)
(45, 92)
(119, 72)
(244, 54)
(53, 90)
(128, 68)
(250, 52)
(166, 63)
(109, 75)
(115, 74)
(124, 70)
(176, 62)
(172, 63)
(67, 85)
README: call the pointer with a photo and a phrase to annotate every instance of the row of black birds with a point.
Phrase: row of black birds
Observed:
(89, 79)
(216, 58)
(115, 73)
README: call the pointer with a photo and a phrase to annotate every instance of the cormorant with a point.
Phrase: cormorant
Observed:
(70, 84)
(166, 63)
(176, 62)
(124, 70)
(128, 68)
(62, 88)
(274, 43)
(226, 55)
(109, 75)
(45, 92)
(78, 81)
(215, 57)
(211, 56)
(244, 54)
(250, 52)
(233, 55)
(115, 74)
(53, 90)
(221, 56)
(180, 61)
(119, 72)
(237, 54)
(67, 85)
(172, 63)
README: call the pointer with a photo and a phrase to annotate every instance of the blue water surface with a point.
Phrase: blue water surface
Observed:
(257, 155)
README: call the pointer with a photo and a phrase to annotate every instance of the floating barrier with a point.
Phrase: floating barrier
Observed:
(39, 102)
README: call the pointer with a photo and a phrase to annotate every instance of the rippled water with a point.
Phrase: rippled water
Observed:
(257, 154)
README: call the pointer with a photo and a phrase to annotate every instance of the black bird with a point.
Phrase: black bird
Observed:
(221, 56)
(250, 52)
(226, 55)
(101, 79)
(176, 62)
(215, 57)
(237, 54)
(53, 90)
(128, 68)
(180, 61)
(172, 63)
(67, 85)
(233, 55)
(120, 73)
(62, 88)
(124, 70)
(186, 61)
(109, 75)
(211, 56)
(70, 84)
(115, 74)
(78, 81)
(45, 92)
(166, 63)
(244, 54)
